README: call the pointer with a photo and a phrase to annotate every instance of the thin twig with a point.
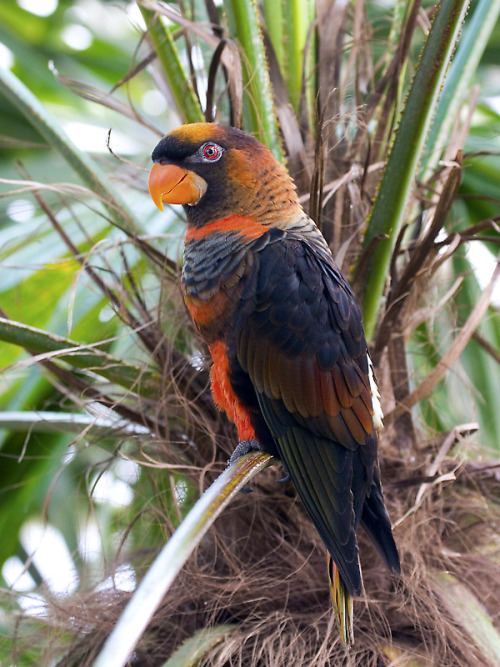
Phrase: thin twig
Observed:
(452, 354)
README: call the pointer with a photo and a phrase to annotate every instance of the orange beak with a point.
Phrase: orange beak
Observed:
(172, 185)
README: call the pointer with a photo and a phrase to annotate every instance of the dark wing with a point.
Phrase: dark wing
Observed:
(301, 342)
(377, 524)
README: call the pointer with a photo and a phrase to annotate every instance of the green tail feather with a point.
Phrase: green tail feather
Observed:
(343, 604)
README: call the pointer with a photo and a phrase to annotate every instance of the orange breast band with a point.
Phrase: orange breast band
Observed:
(246, 227)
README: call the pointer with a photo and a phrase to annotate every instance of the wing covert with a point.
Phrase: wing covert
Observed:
(301, 342)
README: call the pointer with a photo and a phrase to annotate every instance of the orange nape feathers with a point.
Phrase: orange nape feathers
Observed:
(224, 395)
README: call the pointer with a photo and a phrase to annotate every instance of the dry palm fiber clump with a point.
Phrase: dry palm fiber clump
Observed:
(261, 570)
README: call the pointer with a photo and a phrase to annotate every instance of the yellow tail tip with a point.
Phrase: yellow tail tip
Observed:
(342, 604)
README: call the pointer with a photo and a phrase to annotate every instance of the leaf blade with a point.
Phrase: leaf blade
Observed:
(172, 557)
(403, 162)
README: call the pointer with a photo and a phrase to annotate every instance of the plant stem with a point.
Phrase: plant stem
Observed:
(402, 166)
(187, 103)
(259, 111)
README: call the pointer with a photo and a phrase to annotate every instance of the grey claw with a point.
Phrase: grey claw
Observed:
(244, 447)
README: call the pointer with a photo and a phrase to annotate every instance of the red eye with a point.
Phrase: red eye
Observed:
(211, 152)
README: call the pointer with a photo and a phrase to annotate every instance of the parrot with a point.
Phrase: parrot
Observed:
(290, 363)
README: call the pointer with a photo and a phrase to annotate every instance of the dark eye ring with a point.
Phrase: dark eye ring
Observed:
(211, 152)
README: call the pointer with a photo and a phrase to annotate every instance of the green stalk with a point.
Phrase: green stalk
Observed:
(296, 22)
(38, 116)
(473, 42)
(187, 103)
(258, 108)
(169, 562)
(402, 166)
(273, 13)
(401, 10)
(191, 652)
(80, 356)
(311, 74)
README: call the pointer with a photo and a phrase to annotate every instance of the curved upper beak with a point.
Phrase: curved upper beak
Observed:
(172, 185)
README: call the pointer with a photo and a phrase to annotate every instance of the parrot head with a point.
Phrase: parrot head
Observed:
(217, 171)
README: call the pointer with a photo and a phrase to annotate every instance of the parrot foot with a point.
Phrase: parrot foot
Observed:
(245, 447)
(242, 448)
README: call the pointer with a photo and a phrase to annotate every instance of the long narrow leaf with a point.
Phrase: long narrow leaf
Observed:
(180, 86)
(395, 188)
(43, 421)
(296, 18)
(194, 648)
(481, 369)
(38, 116)
(79, 356)
(470, 50)
(468, 612)
(424, 389)
(172, 557)
(273, 13)
(243, 18)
